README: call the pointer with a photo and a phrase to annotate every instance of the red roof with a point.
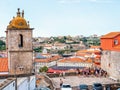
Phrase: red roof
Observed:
(3, 64)
(111, 35)
(50, 70)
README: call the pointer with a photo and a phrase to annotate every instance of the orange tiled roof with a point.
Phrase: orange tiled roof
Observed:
(3, 64)
(87, 52)
(82, 51)
(46, 54)
(81, 54)
(95, 46)
(111, 35)
(46, 60)
(73, 60)
(42, 60)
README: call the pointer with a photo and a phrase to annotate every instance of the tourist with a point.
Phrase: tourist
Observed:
(64, 74)
(61, 82)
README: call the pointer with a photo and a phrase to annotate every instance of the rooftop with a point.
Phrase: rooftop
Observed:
(111, 35)
(75, 59)
(3, 64)
(76, 80)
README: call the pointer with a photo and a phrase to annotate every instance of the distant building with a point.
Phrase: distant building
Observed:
(3, 54)
(74, 62)
(110, 59)
(94, 53)
(41, 61)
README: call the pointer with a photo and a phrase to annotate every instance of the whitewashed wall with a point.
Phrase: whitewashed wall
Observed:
(75, 64)
(10, 86)
(26, 83)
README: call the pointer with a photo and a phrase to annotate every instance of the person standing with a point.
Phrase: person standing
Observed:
(64, 74)
(61, 82)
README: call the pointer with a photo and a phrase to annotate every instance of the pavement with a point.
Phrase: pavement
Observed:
(75, 81)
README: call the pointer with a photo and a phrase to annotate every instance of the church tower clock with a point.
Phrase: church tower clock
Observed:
(19, 45)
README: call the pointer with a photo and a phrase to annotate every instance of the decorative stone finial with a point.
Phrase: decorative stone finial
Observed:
(18, 13)
(28, 24)
(23, 13)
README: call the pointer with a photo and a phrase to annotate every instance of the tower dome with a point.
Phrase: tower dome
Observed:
(18, 22)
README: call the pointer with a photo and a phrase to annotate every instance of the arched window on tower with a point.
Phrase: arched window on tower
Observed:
(20, 40)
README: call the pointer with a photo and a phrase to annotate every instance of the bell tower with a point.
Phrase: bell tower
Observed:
(19, 45)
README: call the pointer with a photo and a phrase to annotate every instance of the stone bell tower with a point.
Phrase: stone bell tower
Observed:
(19, 45)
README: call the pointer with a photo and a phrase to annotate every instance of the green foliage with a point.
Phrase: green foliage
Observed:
(38, 49)
(2, 45)
(94, 41)
(61, 52)
(60, 40)
(43, 69)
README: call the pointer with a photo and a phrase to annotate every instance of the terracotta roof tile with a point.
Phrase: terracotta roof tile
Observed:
(87, 52)
(46, 60)
(111, 35)
(3, 64)
(95, 46)
(74, 60)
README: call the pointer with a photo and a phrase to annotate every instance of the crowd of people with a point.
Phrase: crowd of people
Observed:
(91, 71)
(98, 72)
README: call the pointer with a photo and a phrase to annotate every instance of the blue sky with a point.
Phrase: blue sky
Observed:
(64, 17)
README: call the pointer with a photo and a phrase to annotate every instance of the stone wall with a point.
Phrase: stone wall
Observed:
(20, 62)
(20, 52)
(110, 62)
(13, 40)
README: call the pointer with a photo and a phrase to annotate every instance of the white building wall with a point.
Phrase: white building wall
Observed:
(75, 64)
(10, 86)
(26, 83)
(51, 63)
(23, 85)
(32, 83)
(4, 73)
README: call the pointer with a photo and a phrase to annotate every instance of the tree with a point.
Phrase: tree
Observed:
(43, 69)
(38, 49)
(2, 45)
(61, 52)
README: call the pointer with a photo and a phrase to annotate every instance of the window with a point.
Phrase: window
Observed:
(116, 42)
(20, 40)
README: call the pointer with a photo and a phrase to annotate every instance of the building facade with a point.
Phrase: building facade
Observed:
(110, 58)
(19, 45)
